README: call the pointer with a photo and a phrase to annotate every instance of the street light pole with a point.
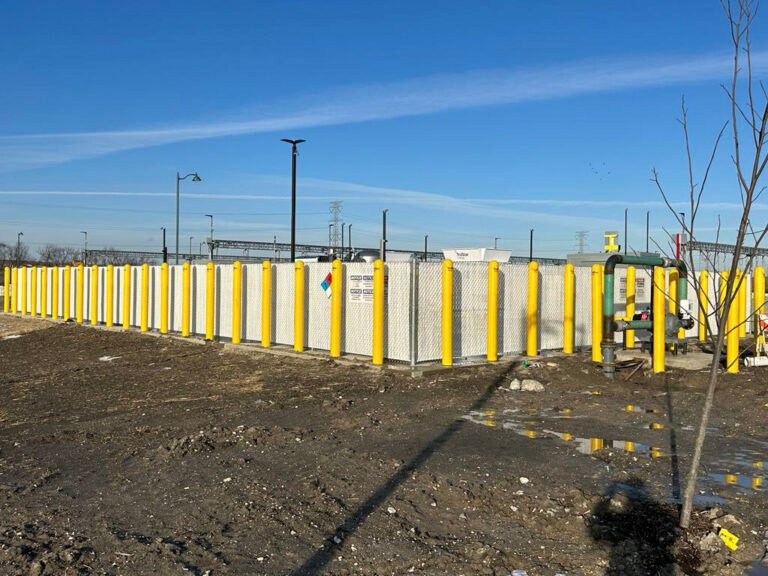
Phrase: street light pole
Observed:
(211, 238)
(165, 248)
(647, 229)
(18, 248)
(349, 236)
(530, 247)
(85, 249)
(294, 153)
(384, 235)
(342, 241)
(190, 247)
(426, 238)
(626, 241)
(330, 227)
(195, 178)
(496, 242)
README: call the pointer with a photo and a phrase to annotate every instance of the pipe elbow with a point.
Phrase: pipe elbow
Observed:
(610, 264)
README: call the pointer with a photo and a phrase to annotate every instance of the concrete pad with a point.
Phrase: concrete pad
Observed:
(694, 360)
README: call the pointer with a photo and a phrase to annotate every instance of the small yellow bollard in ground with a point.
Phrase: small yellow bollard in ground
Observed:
(126, 297)
(532, 349)
(266, 304)
(55, 292)
(447, 313)
(185, 296)
(597, 312)
(109, 296)
(80, 293)
(659, 316)
(33, 291)
(337, 287)
(94, 295)
(164, 298)
(629, 309)
(210, 295)
(703, 304)
(298, 306)
(67, 297)
(569, 284)
(493, 312)
(237, 293)
(44, 292)
(144, 297)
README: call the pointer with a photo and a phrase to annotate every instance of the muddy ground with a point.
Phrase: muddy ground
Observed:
(129, 454)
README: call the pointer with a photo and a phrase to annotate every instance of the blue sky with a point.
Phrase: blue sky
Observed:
(467, 121)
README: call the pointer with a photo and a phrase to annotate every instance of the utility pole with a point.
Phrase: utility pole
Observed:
(384, 234)
(349, 233)
(294, 153)
(647, 229)
(195, 178)
(342, 241)
(165, 248)
(18, 248)
(85, 249)
(530, 247)
(581, 236)
(495, 242)
(335, 210)
(426, 239)
(330, 247)
(211, 238)
(626, 241)
(190, 247)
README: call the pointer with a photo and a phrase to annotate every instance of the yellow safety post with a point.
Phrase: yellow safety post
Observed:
(55, 292)
(185, 290)
(629, 308)
(144, 297)
(127, 297)
(742, 310)
(758, 303)
(337, 287)
(6, 289)
(732, 335)
(94, 294)
(298, 306)
(15, 291)
(378, 312)
(80, 293)
(164, 298)
(109, 297)
(67, 297)
(237, 294)
(703, 304)
(33, 291)
(210, 294)
(659, 316)
(447, 324)
(568, 308)
(266, 305)
(44, 292)
(597, 312)
(533, 309)
(674, 276)
(493, 311)
(23, 290)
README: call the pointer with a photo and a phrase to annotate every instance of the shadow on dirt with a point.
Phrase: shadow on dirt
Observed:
(316, 563)
(640, 531)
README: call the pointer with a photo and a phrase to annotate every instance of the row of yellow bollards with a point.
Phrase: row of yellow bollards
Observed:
(15, 300)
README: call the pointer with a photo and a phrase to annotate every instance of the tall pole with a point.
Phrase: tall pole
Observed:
(647, 229)
(294, 153)
(349, 233)
(626, 241)
(330, 226)
(85, 248)
(165, 248)
(179, 178)
(190, 247)
(18, 248)
(496, 242)
(530, 247)
(342, 241)
(384, 235)
(426, 239)
(210, 246)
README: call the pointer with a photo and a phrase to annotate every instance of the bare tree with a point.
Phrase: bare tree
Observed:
(58, 255)
(748, 128)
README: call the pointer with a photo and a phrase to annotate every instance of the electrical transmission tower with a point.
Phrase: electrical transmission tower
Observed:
(581, 237)
(335, 233)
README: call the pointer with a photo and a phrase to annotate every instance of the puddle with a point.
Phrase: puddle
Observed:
(757, 569)
(743, 470)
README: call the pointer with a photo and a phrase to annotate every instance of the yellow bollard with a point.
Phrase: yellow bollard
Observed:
(33, 291)
(55, 292)
(144, 297)
(237, 294)
(674, 277)
(94, 295)
(23, 290)
(492, 352)
(15, 290)
(659, 314)
(629, 309)
(210, 295)
(44, 292)
(758, 303)
(378, 312)
(337, 287)
(185, 290)
(569, 284)
(447, 313)
(127, 297)
(533, 309)
(67, 297)
(6, 289)
(80, 293)
(109, 296)
(298, 306)
(732, 332)
(742, 310)
(597, 312)
(266, 304)
(703, 304)
(164, 298)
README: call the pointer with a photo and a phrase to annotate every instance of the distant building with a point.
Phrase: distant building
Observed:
(477, 254)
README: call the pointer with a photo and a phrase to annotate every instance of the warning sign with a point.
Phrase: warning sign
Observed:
(361, 288)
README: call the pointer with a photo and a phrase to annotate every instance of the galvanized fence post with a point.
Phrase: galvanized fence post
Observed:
(414, 315)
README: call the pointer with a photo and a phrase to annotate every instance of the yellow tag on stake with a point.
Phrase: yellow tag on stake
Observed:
(730, 539)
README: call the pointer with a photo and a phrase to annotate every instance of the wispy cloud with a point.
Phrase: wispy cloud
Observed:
(386, 101)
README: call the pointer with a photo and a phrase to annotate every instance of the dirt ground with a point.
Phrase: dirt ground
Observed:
(128, 454)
